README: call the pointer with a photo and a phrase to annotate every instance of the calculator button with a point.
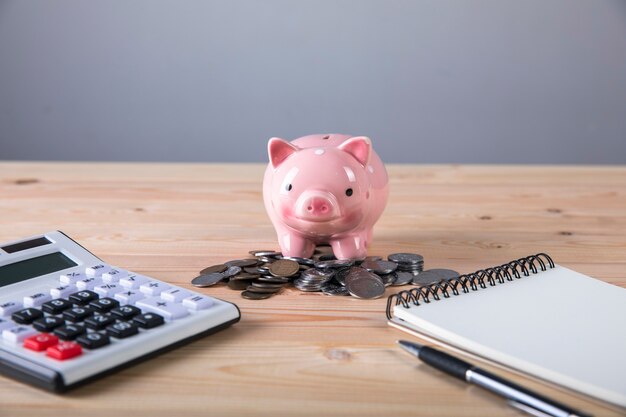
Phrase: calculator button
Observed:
(169, 310)
(122, 329)
(128, 296)
(41, 341)
(62, 291)
(47, 324)
(152, 288)
(197, 302)
(18, 333)
(113, 276)
(99, 321)
(88, 283)
(36, 300)
(133, 281)
(64, 350)
(70, 331)
(107, 290)
(148, 320)
(26, 316)
(175, 294)
(104, 304)
(93, 340)
(83, 297)
(6, 323)
(97, 270)
(77, 314)
(9, 307)
(126, 312)
(56, 306)
(71, 277)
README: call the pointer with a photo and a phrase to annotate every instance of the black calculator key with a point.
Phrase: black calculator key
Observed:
(122, 329)
(27, 315)
(104, 304)
(126, 312)
(69, 331)
(77, 313)
(99, 321)
(83, 297)
(93, 340)
(47, 324)
(56, 306)
(148, 320)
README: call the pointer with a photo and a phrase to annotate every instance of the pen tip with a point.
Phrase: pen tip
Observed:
(411, 347)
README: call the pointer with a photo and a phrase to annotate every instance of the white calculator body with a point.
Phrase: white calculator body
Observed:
(66, 317)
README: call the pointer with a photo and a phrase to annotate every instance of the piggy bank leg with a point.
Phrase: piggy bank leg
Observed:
(295, 245)
(350, 247)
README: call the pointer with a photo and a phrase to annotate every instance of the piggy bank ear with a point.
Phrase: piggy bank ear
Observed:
(278, 150)
(360, 147)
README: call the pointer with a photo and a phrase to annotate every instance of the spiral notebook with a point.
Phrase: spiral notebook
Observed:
(530, 315)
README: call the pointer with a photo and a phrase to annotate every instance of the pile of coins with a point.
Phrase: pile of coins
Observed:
(269, 272)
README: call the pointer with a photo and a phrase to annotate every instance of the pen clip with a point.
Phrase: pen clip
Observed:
(528, 409)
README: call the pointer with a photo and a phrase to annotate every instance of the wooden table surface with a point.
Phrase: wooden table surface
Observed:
(305, 354)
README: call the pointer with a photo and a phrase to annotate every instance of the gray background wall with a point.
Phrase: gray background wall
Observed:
(430, 81)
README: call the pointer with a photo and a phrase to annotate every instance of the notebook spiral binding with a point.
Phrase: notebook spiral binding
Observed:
(466, 282)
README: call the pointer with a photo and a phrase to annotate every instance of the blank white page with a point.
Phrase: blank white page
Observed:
(558, 324)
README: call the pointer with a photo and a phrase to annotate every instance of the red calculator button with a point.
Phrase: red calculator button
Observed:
(40, 341)
(64, 350)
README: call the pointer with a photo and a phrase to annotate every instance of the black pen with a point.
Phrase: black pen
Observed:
(519, 397)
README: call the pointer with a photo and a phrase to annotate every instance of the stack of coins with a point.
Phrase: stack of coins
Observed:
(313, 279)
(408, 262)
(268, 272)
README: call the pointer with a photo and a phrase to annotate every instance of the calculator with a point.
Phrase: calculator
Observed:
(67, 317)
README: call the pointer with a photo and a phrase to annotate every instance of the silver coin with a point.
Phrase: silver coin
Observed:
(250, 295)
(317, 274)
(207, 280)
(263, 269)
(380, 267)
(242, 263)
(426, 278)
(406, 258)
(214, 268)
(238, 284)
(388, 279)
(273, 279)
(307, 288)
(231, 271)
(261, 284)
(334, 289)
(361, 283)
(244, 275)
(445, 274)
(341, 274)
(252, 288)
(301, 261)
(402, 278)
(264, 253)
(337, 263)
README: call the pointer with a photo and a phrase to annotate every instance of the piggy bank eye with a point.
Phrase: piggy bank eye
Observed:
(288, 187)
(349, 192)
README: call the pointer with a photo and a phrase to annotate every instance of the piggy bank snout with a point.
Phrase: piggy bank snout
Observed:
(317, 206)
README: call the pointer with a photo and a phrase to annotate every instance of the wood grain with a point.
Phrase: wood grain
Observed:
(299, 353)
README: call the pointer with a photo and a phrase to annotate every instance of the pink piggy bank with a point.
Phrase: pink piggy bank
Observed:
(324, 189)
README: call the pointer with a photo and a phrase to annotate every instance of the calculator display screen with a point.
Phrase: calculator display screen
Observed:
(34, 267)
